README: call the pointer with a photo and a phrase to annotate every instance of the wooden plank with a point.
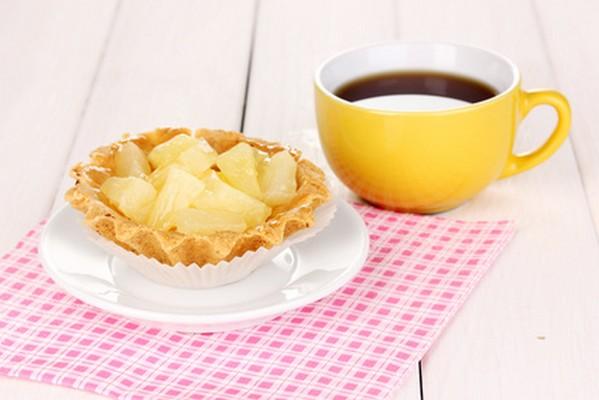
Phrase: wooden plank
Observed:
(292, 38)
(166, 65)
(574, 58)
(45, 75)
(15, 389)
(529, 331)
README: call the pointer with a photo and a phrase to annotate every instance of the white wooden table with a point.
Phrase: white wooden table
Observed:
(75, 74)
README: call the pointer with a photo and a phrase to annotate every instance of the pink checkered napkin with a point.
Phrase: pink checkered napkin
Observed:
(357, 343)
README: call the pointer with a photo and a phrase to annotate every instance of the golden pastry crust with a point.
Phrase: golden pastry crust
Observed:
(174, 247)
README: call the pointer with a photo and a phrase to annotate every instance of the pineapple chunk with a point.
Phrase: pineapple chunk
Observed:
(132, 196)
(197, 158)
(277, 179)
(261, 157)
(168, 152)
(238, 165)
(193, 221)
(158, 177)
(130, 160)
(178, 191)
(218, 195)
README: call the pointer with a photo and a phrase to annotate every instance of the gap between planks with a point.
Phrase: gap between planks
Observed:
(86, 102)
(250, 62)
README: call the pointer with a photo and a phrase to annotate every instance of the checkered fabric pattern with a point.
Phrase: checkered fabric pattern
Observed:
(357, 343)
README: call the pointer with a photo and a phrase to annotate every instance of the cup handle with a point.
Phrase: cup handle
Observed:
(517, 163)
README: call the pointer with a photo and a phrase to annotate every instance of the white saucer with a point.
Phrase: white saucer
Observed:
(301, 274)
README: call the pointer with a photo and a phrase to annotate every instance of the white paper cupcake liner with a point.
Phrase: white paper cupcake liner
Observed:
(194, 276)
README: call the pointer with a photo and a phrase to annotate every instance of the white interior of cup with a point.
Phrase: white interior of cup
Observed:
(482, 65)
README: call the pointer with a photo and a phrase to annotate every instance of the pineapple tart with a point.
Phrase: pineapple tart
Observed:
(196, 197)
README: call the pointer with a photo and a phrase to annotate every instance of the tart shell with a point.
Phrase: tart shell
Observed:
(172, 248)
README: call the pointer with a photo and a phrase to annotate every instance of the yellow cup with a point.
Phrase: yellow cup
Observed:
(428, 156)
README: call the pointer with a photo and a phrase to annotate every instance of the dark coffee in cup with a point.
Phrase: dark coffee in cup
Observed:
(392, 87)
